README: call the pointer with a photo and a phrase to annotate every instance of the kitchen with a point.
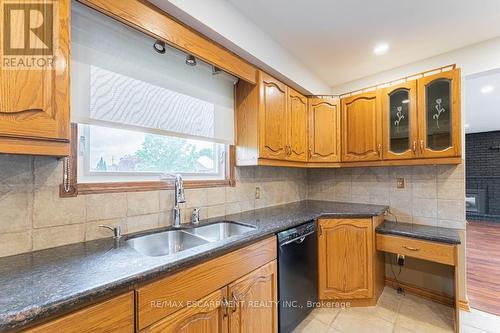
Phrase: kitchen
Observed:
(164, 170)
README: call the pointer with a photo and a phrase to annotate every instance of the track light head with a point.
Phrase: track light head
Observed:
(159, 47)
(190, 60)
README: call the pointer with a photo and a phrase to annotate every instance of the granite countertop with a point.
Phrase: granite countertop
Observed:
(38, 285)
(434, 234)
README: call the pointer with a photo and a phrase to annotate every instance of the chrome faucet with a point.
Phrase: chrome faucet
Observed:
(179, 198)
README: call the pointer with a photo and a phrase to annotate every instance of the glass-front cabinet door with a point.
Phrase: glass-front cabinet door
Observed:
(439, 115)
(399, 107)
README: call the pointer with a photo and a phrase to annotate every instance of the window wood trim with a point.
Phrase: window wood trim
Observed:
(71, 188)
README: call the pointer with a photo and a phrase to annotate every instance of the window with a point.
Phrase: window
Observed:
(142, 115)
(110, 154)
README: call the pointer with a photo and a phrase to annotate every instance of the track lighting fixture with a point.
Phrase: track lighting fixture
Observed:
(190, 60)
(216, 70)
(159, 47)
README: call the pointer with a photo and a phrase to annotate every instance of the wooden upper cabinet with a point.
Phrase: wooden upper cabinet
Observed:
(209, 316)
(439, 115)
(345, 253)
(255, 296)
(34, 103)
(400, 127)
(273, 118)
(297, 128)
(324, 130)
(361, 128)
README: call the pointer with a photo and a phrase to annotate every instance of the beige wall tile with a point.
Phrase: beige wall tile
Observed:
(451, 189)
(196, 198)
(16, 209)
(51, 210)
(233, 208)
(216, 211)
(48, 171)
(57, 236)
(165, 218)
(140, 203)
(427, 172)
(451, 210)
(106, 206)
(451, 172)
(167, 200)
(216, 196)
(16, 170)
(93, 231)
(424, 208)
(425, 188)
(425, 221)
(452, 224)
(142, 222)
(15, 243)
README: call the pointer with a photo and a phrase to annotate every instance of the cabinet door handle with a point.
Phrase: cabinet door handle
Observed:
(235, 301)
(411, 248)
(422, 146)
(379, 149)
(414, 147)
(225, 306)
(310, 152)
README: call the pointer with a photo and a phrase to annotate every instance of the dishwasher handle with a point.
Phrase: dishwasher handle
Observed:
(297, 240)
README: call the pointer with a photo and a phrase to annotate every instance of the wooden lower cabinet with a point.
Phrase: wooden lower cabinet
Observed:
(350, 268)
(208, 315)
(255, 296)
(113, 315)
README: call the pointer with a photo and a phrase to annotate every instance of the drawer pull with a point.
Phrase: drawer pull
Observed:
(411, 248)
(225, 305)
(235, 301)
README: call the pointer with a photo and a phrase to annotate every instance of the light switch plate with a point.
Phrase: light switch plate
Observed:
(400, 183)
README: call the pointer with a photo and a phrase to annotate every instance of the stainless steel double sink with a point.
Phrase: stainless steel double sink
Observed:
(173, 241)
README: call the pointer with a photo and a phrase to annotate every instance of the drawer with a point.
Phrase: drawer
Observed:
(113, 315)
(426, 250)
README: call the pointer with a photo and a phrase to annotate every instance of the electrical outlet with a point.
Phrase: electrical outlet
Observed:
(257, 192)
(400, 183)
(401, 260)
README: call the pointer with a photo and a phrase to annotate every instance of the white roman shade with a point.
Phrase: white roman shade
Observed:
(119, 80)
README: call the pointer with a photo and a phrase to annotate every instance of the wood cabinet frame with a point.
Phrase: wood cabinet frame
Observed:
(34, 103)
(317, 131)
(364, 263)
(373, 153)
(456, 122)
(411, 87)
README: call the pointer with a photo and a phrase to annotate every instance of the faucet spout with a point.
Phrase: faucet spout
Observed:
(179, 198)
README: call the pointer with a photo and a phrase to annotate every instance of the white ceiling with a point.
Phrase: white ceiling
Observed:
(482, 111)
(335, 38)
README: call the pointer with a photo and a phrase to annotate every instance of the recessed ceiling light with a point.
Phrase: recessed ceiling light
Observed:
(381, 48)
(487, 89)
(467, 125)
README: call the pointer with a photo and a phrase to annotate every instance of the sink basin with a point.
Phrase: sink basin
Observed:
(221, 230)
(165, 243)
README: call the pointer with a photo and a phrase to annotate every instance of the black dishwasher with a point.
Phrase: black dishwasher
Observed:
(297, 274)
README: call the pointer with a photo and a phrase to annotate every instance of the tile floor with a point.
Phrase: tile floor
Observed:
(397, 314)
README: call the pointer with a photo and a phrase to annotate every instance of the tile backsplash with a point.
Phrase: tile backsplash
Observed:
(433, 195)
(33, 217)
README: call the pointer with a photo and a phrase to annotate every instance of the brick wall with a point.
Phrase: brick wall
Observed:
(483, 169)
